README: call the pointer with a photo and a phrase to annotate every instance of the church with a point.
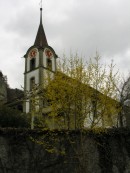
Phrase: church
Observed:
(39, 60)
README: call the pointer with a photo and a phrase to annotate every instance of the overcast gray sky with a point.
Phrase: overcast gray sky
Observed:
(82, 26)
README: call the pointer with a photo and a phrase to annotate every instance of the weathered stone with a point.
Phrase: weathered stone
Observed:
(101, 154)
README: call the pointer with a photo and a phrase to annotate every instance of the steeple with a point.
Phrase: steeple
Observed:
(40, 40)
(40, 59)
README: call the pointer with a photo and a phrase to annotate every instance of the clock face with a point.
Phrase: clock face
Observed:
(33, 53)
(48, 53)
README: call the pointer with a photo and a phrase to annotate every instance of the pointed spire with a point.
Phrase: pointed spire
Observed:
(40, 40)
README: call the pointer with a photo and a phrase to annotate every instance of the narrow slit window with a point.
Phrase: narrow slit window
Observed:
(32, 83)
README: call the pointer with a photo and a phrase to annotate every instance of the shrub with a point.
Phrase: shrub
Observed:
(12, 118)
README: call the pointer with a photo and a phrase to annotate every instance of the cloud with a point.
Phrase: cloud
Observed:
(70, 25)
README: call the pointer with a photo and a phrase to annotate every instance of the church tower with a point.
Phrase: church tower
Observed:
(39, 59)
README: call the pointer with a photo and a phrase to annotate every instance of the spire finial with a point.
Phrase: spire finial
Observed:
(40, 11)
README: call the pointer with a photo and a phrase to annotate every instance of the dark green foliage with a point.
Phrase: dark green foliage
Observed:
(13, 94)
(12, 118)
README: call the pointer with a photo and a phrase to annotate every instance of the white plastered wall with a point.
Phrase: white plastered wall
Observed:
(45, 71)
(45, 61)
(37, 60)
(31, 74)
(35, 73)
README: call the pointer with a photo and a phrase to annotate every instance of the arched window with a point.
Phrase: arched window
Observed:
(49, 63)
(32, 64)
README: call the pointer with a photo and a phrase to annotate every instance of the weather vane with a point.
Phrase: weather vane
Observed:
(40, 3)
